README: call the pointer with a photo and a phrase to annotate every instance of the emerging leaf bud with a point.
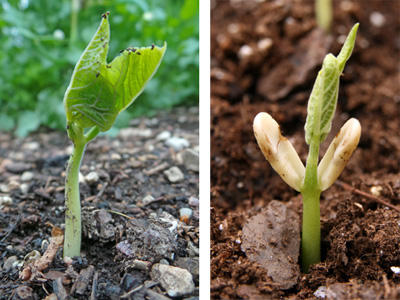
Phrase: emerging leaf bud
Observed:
(278, 150)
(338, 153)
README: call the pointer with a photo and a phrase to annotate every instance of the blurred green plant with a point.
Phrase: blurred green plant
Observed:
(42, 40)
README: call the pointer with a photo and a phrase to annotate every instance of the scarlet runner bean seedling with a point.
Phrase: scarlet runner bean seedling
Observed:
(97, 93)
(311, 180)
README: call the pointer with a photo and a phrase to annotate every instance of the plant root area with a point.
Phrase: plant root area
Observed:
(140, 213)
(265, 56)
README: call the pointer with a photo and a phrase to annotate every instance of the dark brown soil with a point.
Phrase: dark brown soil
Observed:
(119, 252)
(265, 57)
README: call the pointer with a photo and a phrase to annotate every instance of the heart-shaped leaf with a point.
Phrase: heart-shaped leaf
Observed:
(98, 91)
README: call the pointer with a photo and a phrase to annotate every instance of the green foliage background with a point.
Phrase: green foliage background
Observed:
(41, 43)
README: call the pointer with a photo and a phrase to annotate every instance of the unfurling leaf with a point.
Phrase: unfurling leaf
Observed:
(323, 99)
(98, 91)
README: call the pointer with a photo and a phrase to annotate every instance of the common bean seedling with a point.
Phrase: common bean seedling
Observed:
(311, 180)
(97, 93)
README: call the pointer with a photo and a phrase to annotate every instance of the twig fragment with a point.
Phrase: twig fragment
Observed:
(366, 195)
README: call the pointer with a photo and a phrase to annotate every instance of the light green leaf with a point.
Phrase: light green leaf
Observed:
(98, 92)
(347, 48)
(323, 98)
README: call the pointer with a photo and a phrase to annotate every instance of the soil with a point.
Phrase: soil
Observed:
(137, 224)
(265, 56)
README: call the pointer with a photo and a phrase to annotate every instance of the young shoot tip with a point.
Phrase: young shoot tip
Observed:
(278, 150)
(339, 153)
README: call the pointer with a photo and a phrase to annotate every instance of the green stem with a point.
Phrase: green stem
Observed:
(73, 227)
(311, 234)
(74, 22)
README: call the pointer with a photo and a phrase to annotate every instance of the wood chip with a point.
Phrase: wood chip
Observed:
(81, 283)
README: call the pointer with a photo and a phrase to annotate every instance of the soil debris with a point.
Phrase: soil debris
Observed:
(113, 187)
(272, 239)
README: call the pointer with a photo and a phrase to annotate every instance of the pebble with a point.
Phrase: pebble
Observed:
(140, 265)
(164, 135)
(177, 143)
(17, 168)
(147, 200)
(265, 44)
(4, 188)
(245, 52)
(176, 281)
(185, 214)
(395, 270)
(5, 200)
(174, 174)
(320, 292)
(27, 176)
(92, 177)
(32, 146)
(377, 19)
(24, 188)
(9, 263)
(116, 156)
(189, 263)
(193, 201)
(191, 160)
(13, 185)
(127, 133)
(81, 178)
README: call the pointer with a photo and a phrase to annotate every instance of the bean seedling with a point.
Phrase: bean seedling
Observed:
(97, 93)
(311, 180)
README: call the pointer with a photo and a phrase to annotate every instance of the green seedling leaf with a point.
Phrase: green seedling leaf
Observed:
(98, 91)
(347, 48)
(323, 99)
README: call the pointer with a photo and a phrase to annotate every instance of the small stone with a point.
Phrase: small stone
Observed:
(174, 174)
(24, 188)
(125, 247)
(147, 200)
(376, 190)
(140, 265)
(4, 188)
(193, 201)
(9, 263)
(191, 160)
(164, 262)
(265, 44)
(245, 52)
(5, 200)
(32, 146)
(127, 133)
(81, 178)
(164, 135)
(18, 168)
(92, 177)
(177, 143)
(189, 263)
(395, 270)
(185, 214)
(27, 176)
(377, 19)
(176, 281)
(13, 185)
(116, 156)
(320, 292)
